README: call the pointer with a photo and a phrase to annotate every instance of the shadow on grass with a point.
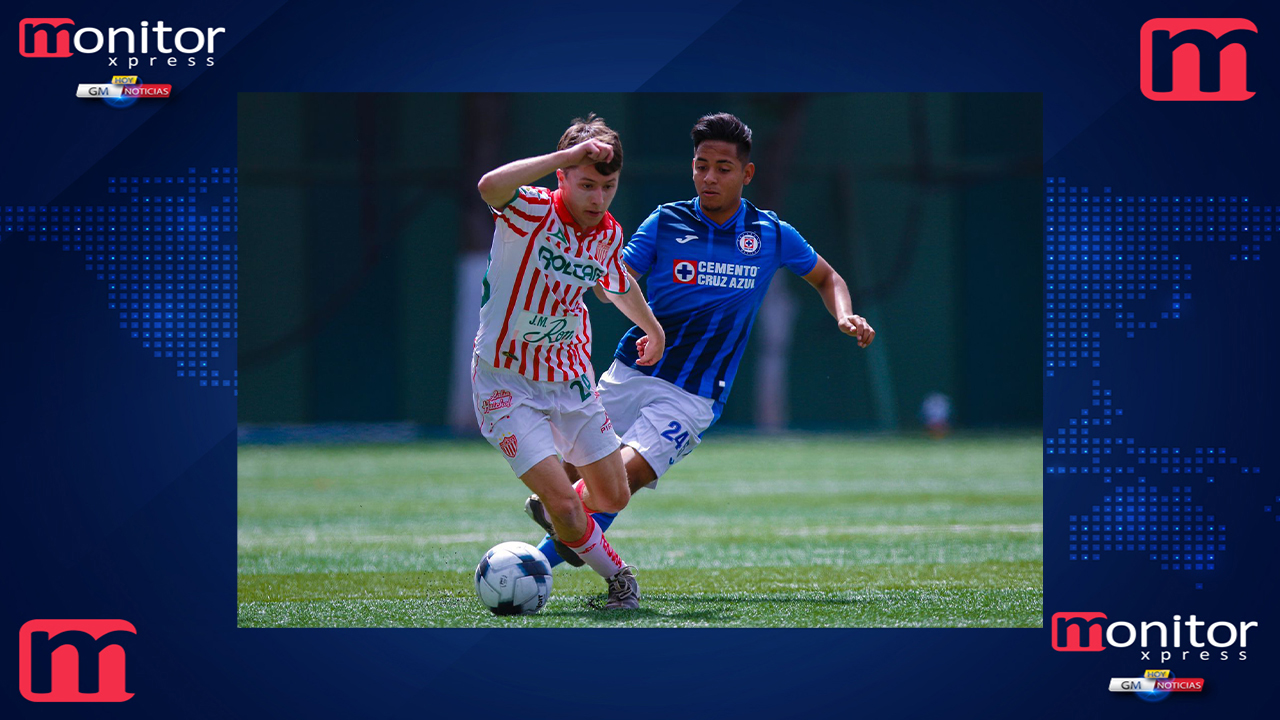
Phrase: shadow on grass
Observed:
(721, 606)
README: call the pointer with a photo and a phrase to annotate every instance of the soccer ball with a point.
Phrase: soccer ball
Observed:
(514, 578)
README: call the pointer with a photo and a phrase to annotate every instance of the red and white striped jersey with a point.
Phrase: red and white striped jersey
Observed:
(532, 318)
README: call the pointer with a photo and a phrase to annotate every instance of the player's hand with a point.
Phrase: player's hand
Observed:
(650, 349)
(589, 152)
(857, 326)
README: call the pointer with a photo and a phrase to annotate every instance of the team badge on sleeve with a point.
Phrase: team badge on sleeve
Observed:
(748, 243)
(508, 445)
(684, 272)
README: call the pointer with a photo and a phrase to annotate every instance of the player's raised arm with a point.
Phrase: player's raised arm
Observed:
(835, 295)
(498, 186)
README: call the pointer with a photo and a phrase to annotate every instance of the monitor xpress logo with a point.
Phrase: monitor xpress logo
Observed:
(1197, 59)
(1084, 632)
(74, 660)
(143, 46)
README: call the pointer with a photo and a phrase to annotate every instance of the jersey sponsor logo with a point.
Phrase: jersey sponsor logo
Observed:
(608, 424)
(686, 239)
(509, 445)
(553, 261)
(499, 400)
(540, 329)
(748, 243)
(727, 275)
(684, 272)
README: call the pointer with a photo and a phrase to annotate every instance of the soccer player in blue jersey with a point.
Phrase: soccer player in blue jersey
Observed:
(709, 262)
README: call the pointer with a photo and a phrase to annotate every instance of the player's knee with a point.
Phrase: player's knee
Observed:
(612, 500)
(566, 510)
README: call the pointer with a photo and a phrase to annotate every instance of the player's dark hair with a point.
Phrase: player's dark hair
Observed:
(594, 128)
(723, 126)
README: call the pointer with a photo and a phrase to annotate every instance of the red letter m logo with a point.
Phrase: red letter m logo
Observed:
(1197, 59)
(74, 660)
(1076, 632)
(40, 37)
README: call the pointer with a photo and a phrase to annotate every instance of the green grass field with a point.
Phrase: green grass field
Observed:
(745, 532)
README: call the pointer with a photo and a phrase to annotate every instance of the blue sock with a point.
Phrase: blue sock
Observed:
(548, 548)
(604, 520)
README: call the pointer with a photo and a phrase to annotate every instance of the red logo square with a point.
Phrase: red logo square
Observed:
(684, 272)
(44, 37)
(1197, 59)
(1077, 631)
(74, 660)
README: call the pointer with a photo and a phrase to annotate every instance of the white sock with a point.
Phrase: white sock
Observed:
(594, 549)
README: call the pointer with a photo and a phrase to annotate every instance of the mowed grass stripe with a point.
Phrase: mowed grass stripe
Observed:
(996, 595)
(388, 535)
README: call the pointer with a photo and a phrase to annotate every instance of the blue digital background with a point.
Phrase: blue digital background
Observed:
(122, 474)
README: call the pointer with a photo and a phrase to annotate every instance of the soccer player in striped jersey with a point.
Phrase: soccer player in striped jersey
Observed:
(709, 263)
(532, 382)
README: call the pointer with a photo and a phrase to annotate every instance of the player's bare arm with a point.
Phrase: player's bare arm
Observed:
(603, 295)
(499, 186)
(633, 305)
(835, 295)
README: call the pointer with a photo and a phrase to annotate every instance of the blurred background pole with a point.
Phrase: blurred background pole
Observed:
(778, 311)
(484, 125)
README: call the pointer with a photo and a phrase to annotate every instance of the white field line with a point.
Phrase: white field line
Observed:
(907, 529)
(311, 537)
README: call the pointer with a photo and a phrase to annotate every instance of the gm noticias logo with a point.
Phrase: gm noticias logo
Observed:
(1197, 59)
(74, 660)
(61, 38)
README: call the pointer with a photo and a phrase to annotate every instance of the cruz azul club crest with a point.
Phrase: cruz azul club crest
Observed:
(748, 243)
(508, 445)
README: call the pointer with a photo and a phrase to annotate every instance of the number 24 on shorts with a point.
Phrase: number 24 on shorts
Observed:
(583, 383)
(670, 434)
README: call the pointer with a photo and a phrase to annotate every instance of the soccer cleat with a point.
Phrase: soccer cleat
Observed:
(624, 591)
(536, 512)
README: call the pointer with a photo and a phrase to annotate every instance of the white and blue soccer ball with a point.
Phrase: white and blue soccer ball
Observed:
(514, 578)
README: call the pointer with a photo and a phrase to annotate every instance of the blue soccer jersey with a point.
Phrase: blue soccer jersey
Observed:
(705, 283)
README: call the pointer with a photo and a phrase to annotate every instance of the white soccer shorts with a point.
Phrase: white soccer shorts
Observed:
(661, 421)
(530, 420)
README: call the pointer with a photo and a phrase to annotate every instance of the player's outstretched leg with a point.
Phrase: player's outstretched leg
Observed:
(555, 551)
(582, 535)
(639, 474)
(605, 483)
